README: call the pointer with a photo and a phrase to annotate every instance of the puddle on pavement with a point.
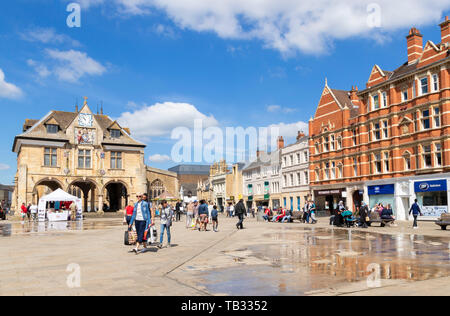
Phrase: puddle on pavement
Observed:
(304, 261)
(19, 228)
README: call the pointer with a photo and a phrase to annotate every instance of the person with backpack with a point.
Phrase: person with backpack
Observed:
(167, 217)
(415, 210)
(215, 218)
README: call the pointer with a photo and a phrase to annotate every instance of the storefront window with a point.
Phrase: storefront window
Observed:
(432, 197)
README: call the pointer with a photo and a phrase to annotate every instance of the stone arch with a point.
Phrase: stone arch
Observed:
(51, 183)
(117, 194)
(89, 192)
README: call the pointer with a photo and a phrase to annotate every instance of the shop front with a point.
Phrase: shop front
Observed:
(384, 194)
(432, 196)
(328, 200)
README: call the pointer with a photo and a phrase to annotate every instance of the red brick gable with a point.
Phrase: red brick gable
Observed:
(377, 76)
(431, 54)
(328, 110)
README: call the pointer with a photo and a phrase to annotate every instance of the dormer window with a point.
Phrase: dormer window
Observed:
(115, 133)
(52, 129)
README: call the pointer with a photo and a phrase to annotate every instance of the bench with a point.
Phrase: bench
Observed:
(375, 218)
(444, 221)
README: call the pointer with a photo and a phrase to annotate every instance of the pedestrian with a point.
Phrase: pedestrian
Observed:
(203, 214)
(305, 218)
(231, 210)
(364, 215)
(312, 212)
(210, 208)
(167, 216)
(178, 211)
(129, 213)
(23, 211)
(387, 213)
(215, 218)
(190, 213)
(34, 211)
(415, 210)
(29, 212)
(240, 212)
(142, 220)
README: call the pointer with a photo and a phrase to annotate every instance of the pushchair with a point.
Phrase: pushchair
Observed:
(349, 219)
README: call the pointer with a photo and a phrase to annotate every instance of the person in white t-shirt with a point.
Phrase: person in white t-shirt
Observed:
(34, 211)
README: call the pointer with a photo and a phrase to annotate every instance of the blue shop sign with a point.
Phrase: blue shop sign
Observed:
(430, 186)
(381, 189)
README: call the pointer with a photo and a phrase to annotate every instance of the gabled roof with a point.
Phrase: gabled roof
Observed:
(64, 120)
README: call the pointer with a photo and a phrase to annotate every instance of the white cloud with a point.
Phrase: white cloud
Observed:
(289, 130)
(290, 26)
(47, 36)
(68, 65)
(160, 119)
(4, 167)
(159, 158)
(277, 108)
(8, 90)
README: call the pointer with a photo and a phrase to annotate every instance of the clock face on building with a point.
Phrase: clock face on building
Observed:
(85, 120)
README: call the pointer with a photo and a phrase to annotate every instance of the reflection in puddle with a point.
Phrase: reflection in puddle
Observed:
(301, 261)
(19, 228)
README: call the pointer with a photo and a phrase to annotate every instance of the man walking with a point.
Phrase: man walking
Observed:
(415, 210)
(240, 212)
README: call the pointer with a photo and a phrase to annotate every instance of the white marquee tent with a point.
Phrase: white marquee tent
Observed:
(58, 196)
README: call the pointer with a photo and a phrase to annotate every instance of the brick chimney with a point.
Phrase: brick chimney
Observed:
(300, 135)
(445, 31)
(415, 45)
(280, 142)
(353, 94)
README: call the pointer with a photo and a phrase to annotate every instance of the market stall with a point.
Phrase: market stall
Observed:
(54, 206)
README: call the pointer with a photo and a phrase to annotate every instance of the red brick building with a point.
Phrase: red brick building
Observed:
(390, 142)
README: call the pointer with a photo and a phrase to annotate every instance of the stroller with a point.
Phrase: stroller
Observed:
(349, 219)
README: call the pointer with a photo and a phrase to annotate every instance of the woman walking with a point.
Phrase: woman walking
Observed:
(166, 222)
(142, 220)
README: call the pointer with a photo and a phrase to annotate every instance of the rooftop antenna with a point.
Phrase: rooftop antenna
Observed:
(76, 105)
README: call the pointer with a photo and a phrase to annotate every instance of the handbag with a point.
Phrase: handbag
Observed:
(130, 237)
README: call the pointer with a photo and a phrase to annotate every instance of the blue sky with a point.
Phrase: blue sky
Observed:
(232, 63)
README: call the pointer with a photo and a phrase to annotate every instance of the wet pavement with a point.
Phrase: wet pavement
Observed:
(263, 259)
(23, 228)
(302, 261)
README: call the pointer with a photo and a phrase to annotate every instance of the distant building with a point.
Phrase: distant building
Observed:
(295, 173)
(262, 179)
(189, 177)
(226, 184)
(6, 192)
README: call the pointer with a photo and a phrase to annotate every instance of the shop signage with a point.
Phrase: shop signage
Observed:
(329, 192)
(381, 189)
(430, 186)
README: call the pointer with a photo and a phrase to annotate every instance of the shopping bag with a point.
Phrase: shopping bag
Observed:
(130, 238)
(193, 223)
(153, 235)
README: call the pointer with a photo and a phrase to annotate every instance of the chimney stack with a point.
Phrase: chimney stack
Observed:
(353, 93)
(300, 135)
(415, 45)
(259, 153)
(445, 31)
(280, 142)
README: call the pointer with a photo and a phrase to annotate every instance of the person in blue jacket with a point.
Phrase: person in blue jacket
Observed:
(142, 220)
(415, 210)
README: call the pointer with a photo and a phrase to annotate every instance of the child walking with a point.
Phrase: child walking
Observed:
(215, 218)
